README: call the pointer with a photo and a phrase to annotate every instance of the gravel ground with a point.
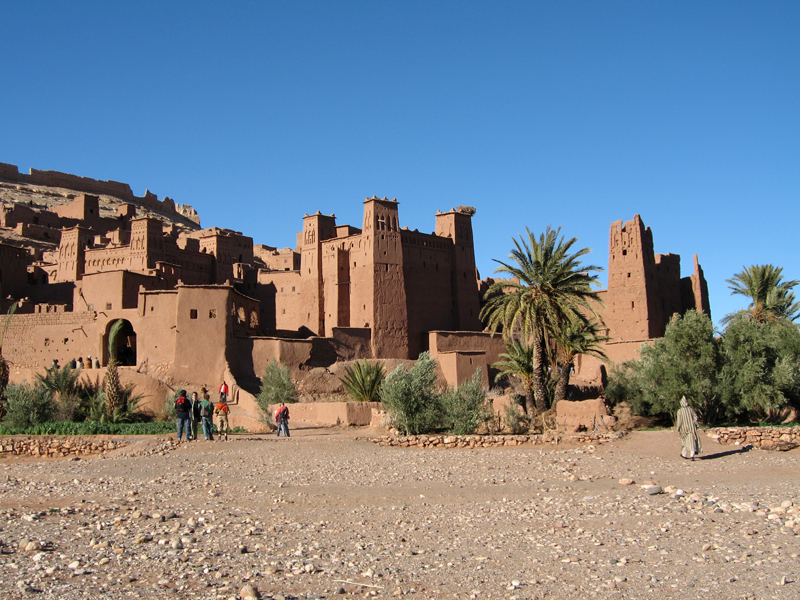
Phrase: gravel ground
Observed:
(322, 515)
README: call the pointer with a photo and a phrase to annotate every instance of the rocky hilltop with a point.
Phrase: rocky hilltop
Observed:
(47, 190)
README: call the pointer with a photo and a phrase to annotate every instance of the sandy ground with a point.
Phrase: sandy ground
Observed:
(325, 515)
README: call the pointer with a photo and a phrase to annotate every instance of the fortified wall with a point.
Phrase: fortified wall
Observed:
(93, 186)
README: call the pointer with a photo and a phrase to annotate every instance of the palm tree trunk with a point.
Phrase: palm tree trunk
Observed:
(530, 405)
(539, 393)
(4, 374)
(563, 383)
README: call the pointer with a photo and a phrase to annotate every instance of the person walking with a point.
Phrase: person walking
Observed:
(221, 411)
(206, 413)
(282, 419)
(183, 410)
(223, 391)
(196, 417)
(686, 424)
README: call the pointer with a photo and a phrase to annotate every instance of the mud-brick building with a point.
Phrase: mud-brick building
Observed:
(644, 289)
(379, 289)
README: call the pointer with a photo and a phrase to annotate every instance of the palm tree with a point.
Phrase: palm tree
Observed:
(4, 371)
(549, 286)
(576, 337)
(771, 298)
(111, 385)
(363, 381)
(519, 363)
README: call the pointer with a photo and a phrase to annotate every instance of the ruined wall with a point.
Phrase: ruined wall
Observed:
(94, 186)
(645, 289)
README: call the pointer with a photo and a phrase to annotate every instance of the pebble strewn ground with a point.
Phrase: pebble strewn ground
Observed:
(321, 515)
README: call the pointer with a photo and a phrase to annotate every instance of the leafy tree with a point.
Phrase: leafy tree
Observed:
(623, 386)
(686, 361)
(363, 381)
(518, 363)
(4, 371)
(465, 408)
(549, 287)
(410, 397)
(276, 387)
(576, 337)
(762, 365)
(111, 386)
(771, 298)
(27, 405)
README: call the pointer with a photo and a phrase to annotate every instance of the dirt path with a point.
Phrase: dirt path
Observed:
(299, 517)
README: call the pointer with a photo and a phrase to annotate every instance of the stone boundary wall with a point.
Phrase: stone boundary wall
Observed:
(56, 447)
(768, 438)
(489, 441)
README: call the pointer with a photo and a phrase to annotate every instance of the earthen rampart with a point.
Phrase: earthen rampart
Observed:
(94, 186)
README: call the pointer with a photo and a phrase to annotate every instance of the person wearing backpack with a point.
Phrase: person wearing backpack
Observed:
(206, 412)
(183, 409)
(196, 417)
(282, 419)
(221, 411)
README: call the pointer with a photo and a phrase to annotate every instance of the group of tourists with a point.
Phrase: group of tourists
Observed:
(195, 412)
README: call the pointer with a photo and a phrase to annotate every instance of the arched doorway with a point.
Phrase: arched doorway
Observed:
(126, 344)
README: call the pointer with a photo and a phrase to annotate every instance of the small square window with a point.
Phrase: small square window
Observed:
(212, 314)
(108, 305)
(193, 313)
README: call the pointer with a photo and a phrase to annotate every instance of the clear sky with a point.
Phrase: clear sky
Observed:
(566, 113)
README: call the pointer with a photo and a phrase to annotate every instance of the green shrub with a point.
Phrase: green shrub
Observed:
(363, 381)
(89, 428)
(410, 397)
(276, 387)
(514, 418)
(28, 405)
(465, 408)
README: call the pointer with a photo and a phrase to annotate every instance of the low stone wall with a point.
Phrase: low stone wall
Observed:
(489, 441)
(56, 447)
(332, 413)
(768, 438)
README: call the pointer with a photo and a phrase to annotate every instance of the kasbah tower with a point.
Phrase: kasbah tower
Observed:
(202, 305)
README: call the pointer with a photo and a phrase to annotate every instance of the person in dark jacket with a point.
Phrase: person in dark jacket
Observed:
(196, 416)
(183, 411)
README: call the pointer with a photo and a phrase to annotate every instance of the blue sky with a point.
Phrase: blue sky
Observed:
(566, 113)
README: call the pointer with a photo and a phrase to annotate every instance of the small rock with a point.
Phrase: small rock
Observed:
(626, 481)
(653, 490)
(248, 592)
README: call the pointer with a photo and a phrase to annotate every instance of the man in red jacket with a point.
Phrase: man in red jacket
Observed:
(282, 419)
